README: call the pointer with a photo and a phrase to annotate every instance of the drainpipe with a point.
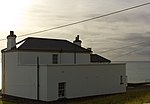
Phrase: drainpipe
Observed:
(38, 66)
(75, 60)
(60, 57)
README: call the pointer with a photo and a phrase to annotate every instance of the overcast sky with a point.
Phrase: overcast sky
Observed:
(123, 29)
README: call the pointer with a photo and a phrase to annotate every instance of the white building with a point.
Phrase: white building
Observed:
(51, 69)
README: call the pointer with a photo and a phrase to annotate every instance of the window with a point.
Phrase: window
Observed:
(55, 59)
(61, 89)
(121, 79)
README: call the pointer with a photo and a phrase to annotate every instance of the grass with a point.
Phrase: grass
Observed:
(138, 96)
(131, 97)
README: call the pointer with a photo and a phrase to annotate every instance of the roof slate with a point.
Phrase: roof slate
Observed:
(98, 58)
(44, 44)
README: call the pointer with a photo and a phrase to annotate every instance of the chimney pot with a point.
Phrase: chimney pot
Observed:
(11, 32)
(90, 49)
(77, 41)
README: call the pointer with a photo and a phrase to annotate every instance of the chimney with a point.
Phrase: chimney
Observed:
(11, 41)
(77, 41)
(90, 49)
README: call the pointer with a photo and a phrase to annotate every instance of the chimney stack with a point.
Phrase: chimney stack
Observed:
(90, 49)
(11, 41)
(77, 41)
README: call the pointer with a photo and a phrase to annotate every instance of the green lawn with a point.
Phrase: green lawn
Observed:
(138, 96)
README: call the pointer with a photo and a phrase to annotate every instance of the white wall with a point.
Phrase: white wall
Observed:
(3, 71)
(83, 58)
(75, 58)
(29, 58)
(1, 76)
(66, 58)
(81, 79)
(21, 80)
(86, 80)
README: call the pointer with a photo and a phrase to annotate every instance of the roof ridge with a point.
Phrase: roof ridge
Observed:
(37, 43)
(46, 38)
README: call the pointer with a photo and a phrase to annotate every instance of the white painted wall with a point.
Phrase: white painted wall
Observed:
(29, 58)
(66, 58)
(21, 80)
(3, 71)
(43, 83)
(82, 58)
(86, 80)
(81, 79)
(11, 42)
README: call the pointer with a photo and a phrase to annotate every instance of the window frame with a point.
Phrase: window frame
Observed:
(55, 59)
(61, 90)
(121, 80)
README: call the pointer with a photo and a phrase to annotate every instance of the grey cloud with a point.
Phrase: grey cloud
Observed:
(137, 43)
(100, 34)
(134, 38)
(144, 52)
(127, 17)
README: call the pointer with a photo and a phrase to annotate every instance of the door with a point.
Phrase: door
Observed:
(61, 90)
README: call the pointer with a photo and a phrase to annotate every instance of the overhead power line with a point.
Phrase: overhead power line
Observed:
(85, 20)
(129, 52)
(114, 49)
(2, 39)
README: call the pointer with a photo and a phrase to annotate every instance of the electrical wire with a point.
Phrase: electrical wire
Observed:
(85, 20)
(128, 53)
(114, 49)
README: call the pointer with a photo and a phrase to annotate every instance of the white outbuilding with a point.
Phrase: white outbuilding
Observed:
(51, 69)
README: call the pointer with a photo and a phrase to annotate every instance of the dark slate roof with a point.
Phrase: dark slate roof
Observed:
(44, 44)
(96, 58)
